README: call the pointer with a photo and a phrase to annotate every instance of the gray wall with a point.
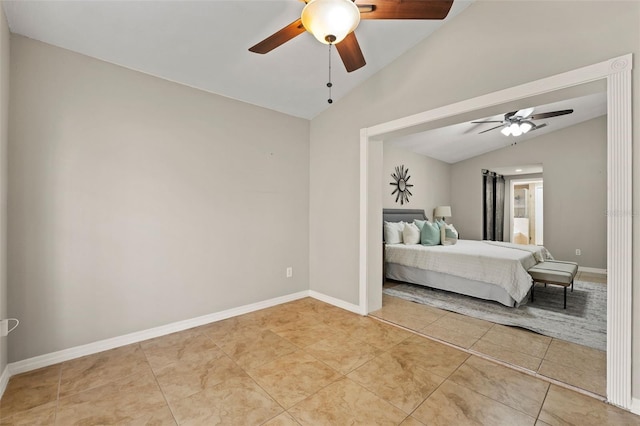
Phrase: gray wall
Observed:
(136, 202)
(4, 135)
(575, 189)
(430, 177)
(470, 56)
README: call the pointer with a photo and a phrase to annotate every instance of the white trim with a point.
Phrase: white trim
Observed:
(4, 379)
(592, 270)
(127, 339)
(635, 406)
(336, 302)
(364, 223)
(619, 233)
(617, 72)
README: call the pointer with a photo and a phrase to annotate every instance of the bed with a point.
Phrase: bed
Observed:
(484, 269)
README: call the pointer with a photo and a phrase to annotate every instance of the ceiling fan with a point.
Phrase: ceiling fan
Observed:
(516, 123)
(334, 22)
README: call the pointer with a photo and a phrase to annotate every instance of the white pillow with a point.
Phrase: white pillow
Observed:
(453, 232)
(448, 235)
(411, 234)
(393, 232)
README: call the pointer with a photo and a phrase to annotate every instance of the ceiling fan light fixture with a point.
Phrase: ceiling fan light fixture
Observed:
(506, 131)
(526, 126)
(330, 21)
(515, 129)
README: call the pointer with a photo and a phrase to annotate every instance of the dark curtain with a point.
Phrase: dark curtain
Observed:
(493, 206)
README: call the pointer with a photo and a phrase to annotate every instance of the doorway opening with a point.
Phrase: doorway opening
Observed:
(527, 211)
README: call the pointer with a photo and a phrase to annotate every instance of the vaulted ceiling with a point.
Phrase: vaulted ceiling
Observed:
(204, 44)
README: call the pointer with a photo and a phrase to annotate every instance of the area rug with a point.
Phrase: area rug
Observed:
(583, 322)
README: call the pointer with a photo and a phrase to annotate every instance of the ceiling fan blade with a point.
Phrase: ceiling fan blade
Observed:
(524, 113)
(539, 127)
(292, 30)
(488, 130)
(404, 9)
(350, 53)
(550, 114)
(488, 121)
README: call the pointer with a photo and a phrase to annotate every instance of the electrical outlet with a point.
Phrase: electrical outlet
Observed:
(4, 327)
(289, 272)
(578, 252)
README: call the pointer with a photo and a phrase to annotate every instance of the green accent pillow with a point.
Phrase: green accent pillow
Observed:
(430, 234)
(419, 223)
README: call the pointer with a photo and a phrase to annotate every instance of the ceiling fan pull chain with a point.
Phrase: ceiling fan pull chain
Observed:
(329, 84)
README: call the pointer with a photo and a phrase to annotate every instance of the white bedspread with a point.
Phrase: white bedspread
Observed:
(503, 264)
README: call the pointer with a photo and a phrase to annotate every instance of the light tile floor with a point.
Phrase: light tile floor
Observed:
(303, 362)
(576, 365)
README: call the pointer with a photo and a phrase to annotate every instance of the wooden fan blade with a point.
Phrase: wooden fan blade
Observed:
(488, 130)
(543, 115)
(350, 53)
(489, 121)
(404, 9)
(292, 30)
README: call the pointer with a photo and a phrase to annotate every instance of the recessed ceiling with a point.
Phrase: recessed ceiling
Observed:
(204, 44)
(462, 140)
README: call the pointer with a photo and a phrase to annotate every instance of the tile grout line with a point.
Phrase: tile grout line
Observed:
(108, 382)
(440, 385)
(543, 401)
(505, 364)
(545, 354)
(55, 417)
(495, 400)
(159, 387)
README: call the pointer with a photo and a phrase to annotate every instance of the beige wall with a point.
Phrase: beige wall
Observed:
(429, 176)
(136, 202)
(575, 189)
(470, 56)
(4, 135)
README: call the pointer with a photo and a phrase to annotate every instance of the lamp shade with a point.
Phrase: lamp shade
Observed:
(330, 21)
(442, 211)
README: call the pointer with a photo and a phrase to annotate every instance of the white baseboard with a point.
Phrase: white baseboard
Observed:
(635, 406)
(127, 339)
(592, 270)
(139, 336)
(336, 302)
(4, 380)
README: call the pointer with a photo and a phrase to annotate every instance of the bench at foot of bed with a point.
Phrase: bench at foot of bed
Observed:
(554, 272)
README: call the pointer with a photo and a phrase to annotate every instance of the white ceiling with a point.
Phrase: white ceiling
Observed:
(456, 142)
(204, 44)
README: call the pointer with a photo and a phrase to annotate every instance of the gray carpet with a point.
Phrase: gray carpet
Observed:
(583, 322)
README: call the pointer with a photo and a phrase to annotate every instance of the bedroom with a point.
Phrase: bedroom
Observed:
(433, 183)
(307, 201)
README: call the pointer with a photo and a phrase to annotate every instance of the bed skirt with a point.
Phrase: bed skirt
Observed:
(451, 283)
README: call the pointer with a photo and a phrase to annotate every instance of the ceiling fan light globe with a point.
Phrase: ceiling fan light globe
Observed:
(525, 127)
(506, 131)
(516, 131)
(330, 21)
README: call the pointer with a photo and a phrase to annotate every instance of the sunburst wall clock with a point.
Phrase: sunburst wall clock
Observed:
(401, 182)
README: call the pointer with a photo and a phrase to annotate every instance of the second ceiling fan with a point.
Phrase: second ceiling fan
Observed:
(333, 22)
(516, 123)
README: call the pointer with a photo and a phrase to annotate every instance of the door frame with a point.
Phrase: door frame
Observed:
(617, 73)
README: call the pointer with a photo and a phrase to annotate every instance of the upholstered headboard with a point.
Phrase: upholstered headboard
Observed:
(406, 215)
